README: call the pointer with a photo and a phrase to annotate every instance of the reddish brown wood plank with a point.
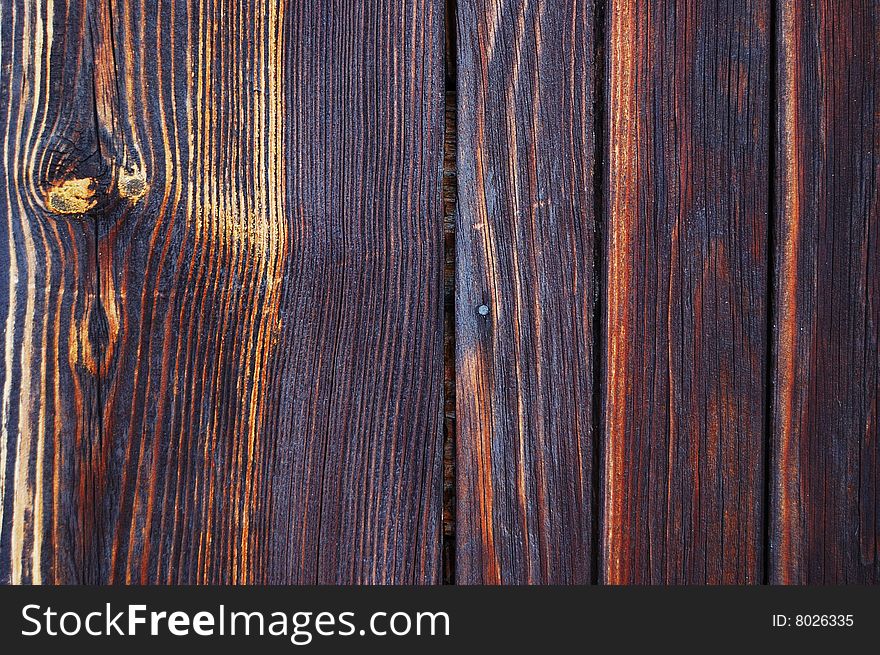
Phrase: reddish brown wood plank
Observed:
(687, 282)
(826, 461)
(525, 291)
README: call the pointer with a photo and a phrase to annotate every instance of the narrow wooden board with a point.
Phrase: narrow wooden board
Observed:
(826, 459)
(250, 300)
(686, 318)
(49, 394)
(525, 292)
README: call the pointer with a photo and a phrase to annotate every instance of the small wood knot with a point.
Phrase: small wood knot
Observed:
(132, 184)
(75, 196)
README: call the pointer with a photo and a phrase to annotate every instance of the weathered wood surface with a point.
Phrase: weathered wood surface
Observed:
(826, 460)
(222, 320)
(50, 405)
(239, 240)
(686, 320)
(526, 291)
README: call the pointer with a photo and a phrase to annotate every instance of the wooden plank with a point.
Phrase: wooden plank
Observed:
(368, 90)
(525, 292)
(265, 340)
(686, 316)
(50, 317)
(825, 493)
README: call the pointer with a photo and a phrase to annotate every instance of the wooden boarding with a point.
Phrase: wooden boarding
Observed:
(224, 323)
(686, 342)
(551, 291)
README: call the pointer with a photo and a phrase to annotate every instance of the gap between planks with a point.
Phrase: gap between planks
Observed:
(450, 210)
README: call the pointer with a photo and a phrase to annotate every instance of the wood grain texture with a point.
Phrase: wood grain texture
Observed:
(50, 411)
(240, 238)
(826, 460)
(525, 246)
(686, 321)
(223, 314)
(363, 356)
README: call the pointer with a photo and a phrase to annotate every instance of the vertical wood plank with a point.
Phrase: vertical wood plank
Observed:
(687, 282)
(826, 461)
(189, 102)
(49, 317)
(525, 291)
(358, 484)
(226, 305)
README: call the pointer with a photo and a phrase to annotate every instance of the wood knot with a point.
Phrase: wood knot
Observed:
(78, 195)
(74, 196)
(132, 184)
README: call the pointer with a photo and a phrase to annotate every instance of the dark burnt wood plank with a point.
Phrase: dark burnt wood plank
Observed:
(526, 291)
(363, 358)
